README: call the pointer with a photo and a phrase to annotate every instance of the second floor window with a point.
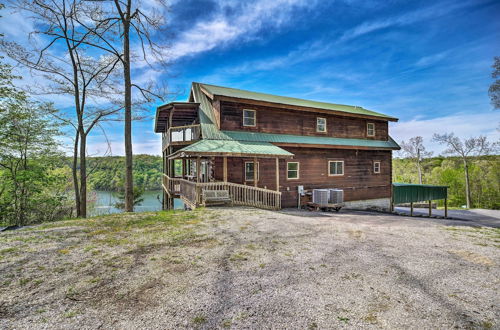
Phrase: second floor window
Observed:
(335, 167)
(292, 170)
(248, 117)
(376, 167)
(320, 125)
(370, 129)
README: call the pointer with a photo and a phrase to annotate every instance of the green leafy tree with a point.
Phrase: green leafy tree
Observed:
(28, 147)
(466, 150)
(138, 192)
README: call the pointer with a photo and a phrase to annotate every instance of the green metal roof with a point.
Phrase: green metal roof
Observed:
(302, 139)
(243, 94)
(407, 193)
(242, 148)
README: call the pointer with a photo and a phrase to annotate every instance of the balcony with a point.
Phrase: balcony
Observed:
(181, 135)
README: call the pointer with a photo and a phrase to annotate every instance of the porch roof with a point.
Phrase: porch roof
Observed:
(232, 148)
(289, 139)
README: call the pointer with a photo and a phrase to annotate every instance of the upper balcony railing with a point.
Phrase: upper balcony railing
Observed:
(181, 135)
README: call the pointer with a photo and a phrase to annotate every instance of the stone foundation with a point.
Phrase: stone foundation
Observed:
(379, 204)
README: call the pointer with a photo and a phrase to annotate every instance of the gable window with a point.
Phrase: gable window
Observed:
(248, 117)
(249, 166)
(321, 125)
(370, 129)
(376, 167)
(335, 167)
(292, 170)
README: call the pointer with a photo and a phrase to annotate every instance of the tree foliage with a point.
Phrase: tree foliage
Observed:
(414, 149)
(484, 175)
(31, 185)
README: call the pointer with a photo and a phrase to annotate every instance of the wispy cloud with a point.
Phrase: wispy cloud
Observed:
(408, 18)
(235, 21)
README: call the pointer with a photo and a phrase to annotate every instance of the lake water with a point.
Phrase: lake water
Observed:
(102, 202)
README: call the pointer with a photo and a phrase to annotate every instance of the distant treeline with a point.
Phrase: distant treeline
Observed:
(107, 173)
(449, 171)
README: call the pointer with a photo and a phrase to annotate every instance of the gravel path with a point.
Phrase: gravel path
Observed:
(247, 268)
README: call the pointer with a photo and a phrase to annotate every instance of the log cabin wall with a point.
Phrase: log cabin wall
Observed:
(282, 121)
(359, 181)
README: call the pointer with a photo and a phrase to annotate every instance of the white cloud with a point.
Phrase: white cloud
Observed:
(431, 59)
(14, 25)
(418, 15)
(244, 23)
(463, 125)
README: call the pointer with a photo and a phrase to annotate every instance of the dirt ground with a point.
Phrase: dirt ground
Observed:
(248, 268)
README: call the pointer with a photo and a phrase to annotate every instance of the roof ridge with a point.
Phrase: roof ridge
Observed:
(288, 100)
(288, 97)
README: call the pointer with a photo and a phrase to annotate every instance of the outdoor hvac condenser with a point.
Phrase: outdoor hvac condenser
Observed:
(320, 196)
(336, 196)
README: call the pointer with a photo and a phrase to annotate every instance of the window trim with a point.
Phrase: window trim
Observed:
(254, 117)
(336, 161)
(379, 167)
(298, 170)
(317, 130)
(368, 129)
(245, 171)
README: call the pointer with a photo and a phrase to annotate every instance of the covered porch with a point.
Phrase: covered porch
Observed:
(203, 166)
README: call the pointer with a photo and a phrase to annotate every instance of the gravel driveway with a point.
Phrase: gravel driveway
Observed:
(248, 268)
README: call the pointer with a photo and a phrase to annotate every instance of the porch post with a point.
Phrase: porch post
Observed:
(198, 168)
(224, 166)
(446, 207)
(277, 174)
(430, 208)
(255, 171)
(184, 168)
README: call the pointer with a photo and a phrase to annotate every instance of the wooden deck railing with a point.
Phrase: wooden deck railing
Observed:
(191, 193)
(181, 134)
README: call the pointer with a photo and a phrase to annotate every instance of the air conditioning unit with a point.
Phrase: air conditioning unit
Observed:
(320, 196)
(336, 196)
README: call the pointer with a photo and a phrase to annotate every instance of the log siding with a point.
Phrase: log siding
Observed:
(282, 121)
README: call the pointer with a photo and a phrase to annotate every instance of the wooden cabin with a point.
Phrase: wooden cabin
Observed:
(260, 148)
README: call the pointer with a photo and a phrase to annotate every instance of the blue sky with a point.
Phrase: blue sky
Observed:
(425, 62)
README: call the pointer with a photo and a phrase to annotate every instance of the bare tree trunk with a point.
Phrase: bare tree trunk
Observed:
(83, 174)
(129, 184)
(75, 175)
(467, 184)
(419, 172)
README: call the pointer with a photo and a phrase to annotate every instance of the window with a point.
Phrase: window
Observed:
(335, 167)
(370, 129)
(292, 170)
(376, 167)
(249, 171)
(320, 124)
(178, 167)
(248, 117)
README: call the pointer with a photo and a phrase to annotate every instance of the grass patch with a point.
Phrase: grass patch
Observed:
(343, 319)
(198, 320)
(8, 250)
(241, 256)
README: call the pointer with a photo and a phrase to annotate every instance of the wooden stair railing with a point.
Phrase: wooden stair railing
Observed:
(191, 192)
